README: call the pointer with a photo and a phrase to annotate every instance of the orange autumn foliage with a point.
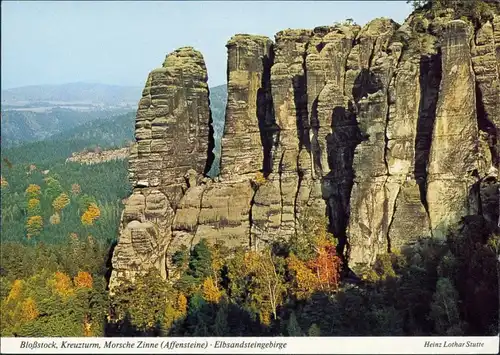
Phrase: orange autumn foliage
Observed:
(326, 265)
(321, 273)
(90, 215)
(83, 279)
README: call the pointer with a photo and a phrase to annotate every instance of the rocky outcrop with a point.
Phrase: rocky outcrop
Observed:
(275, 207)
(99, 157)
(389, 131)
(172, 135)
(453, 162)
(248, 111)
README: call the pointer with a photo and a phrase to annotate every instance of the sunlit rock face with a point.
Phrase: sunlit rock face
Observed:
(172, 138)
(388, 131)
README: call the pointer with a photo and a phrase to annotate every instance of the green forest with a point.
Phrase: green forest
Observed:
(23, 126)
(60, 223)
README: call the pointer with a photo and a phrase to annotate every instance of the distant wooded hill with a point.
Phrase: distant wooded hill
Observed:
(104, 126)
(72, 93)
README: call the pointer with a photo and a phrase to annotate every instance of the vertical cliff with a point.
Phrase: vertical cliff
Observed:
(391, 131)
(173, 138)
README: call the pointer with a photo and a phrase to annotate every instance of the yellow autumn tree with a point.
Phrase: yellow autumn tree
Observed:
(87, 327)
(211, 292)
(83, 280)
(34, 226)
(3, 182)
(33, 191)
(260, 179)
(306, 282)
(60, 202)
(15, 290)
(90, 215)
(62, 284)
(76, 189)
(268, 286)
(55, 218)
(29, 310)
(175, 310)
(33, 206)
(182, 304)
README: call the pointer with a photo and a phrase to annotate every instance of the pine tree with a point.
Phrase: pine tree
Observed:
(221, 327)
(200, 264)
(314, 330)
(293, 327)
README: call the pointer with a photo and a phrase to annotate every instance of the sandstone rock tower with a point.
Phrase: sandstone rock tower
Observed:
(389, 131)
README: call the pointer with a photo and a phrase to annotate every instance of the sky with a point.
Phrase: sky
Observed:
(118, 42)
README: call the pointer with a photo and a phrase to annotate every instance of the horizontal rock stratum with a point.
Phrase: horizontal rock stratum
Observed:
(390, 131)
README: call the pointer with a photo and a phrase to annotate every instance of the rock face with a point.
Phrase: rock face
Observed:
(453, 160)
(248, 111)
(389, 131)
(172, 135)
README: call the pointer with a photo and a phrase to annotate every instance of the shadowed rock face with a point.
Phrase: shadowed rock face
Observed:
(389, 131)
(248, 111)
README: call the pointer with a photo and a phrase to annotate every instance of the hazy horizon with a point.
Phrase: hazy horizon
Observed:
(119, 43)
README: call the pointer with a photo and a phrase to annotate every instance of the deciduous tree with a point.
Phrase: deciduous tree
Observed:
(29, 310)
(62, 284)
(60, 202)
(34, 226)
(33, 207)
(83, 279)
(55, 219)
(33, 191)
(211, 292)
(90, 215)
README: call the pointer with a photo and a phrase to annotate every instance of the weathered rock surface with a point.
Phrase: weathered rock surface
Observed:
(391, 131)
(90, 158)
(453, 161)
(172, 135)
(275, 199)
(248, 110)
